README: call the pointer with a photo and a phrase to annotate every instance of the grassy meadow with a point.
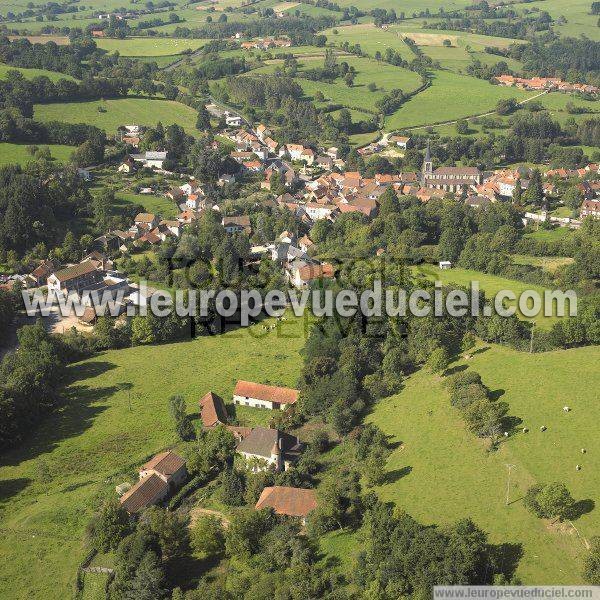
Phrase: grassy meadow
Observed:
(490, 284)
(11, 154)
(114, 418)
(153, 204)
(141, 111)
(441, 472)
(450, 96)
(386, 77)
(31, 73)
(146, 46)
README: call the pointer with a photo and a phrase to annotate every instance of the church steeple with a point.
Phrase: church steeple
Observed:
(427, 163)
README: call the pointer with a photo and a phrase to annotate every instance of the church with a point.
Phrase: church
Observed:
(450, 179)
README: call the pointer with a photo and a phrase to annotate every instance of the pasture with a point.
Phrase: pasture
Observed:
(386, 77)
(441, 472)
(11, 154)
(490, 284)
(115, 416)
(451, 96)
(109, 114)
(149, 47)
(54, 76)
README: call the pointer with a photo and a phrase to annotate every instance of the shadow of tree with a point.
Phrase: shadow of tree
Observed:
(580, 508)
(11, 487)
(496, 394)
(454, 370)
(505, 558)
(396, 475)
(77, 411)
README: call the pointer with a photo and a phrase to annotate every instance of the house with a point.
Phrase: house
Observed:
(127, 166)
(212, 410)
(445, 264)
(288, 501)
(262, 132)
(237, 224)
(146, 220)
(232, 120)
(254, 166)
(305, 243)
(84, 174)
(77, 278)
(150, 159)
(194, 201)
(301, 276)
(40, 274)
(308, 156)
(590, 208)
(270, 449)
(258, 395)
(450, 179)
(225, 179)
(399, 140)
(325, 162)
(158, 478)
(271, 144)
(170, 467)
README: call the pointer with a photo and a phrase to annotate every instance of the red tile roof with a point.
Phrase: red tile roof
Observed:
(212, 410)
(144, 493)
(269, 393)
(294, 502)
(166, 463)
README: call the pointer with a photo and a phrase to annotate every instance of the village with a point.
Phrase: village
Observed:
(317, 187)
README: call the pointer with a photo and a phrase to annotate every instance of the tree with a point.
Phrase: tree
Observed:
(507, 106)
(232, 488)
(462, 127)
(203, 120)
(177, 410)
(207, 536)
(591, 569)
(149, 580)
(555, 501)
(372, 87)
(573, 197)
(438, 360)
(111, 526)
(349, 79)
(534, 194)
(171, 531)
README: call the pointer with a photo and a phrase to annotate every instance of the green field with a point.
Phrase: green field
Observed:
(153, 204)
(141, 111)
(548, 263)
(451, 96)
(490, 284)
(386, 77)
(442, 473)
(94, 586)
(11, 154)
(146, 46)
(31, 73)
(370, 38)
(558, 233)
(51, 484)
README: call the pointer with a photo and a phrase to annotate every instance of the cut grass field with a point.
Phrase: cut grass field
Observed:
(153, 204)
(490, 284)
(451, 96)
(122, 111)
(147, 46)
(31, 73)
(386, 77)
(52, 484)
(548, 263)
(11, 154)
(441, 473)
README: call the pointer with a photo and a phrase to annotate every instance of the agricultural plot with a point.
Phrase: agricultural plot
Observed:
(579, 21)
(370, 38)
(112, 113)
(11, 154)
(490, 284)
(115, 416)
(435, 446)
(451, 96)
(31, 73)
(150, 47)
(386, 77)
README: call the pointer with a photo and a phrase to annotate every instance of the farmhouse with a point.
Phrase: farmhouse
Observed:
(270, 449)
(158, 478)
(302, 275)
(237, 224)
(258, 395)
(150, 159)
(401, 141)
(288, 501)
(41, 273)
(212, 410)
(590, 208)
(76, 278)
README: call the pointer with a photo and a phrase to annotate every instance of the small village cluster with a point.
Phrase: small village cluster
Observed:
(260, 448)
(554, 84)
